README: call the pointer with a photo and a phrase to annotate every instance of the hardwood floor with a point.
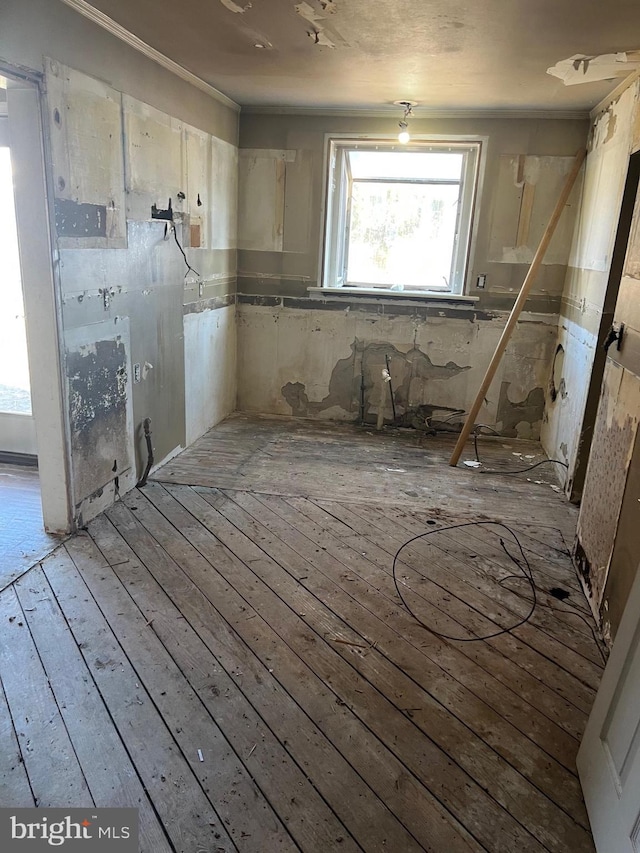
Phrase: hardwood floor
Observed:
(23, 540)
(235, 661)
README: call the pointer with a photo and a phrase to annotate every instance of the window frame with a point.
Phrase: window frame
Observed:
(336, 213)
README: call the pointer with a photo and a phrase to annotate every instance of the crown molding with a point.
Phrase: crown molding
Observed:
(421, 113)
(614, 94)
(111, 26)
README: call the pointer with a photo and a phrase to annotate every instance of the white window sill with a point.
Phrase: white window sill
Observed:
(422, 295)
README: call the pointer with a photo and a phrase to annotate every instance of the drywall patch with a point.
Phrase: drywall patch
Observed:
(74, 219)
(511, 416)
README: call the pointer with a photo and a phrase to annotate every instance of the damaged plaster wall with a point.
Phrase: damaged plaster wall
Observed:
(601, 423)
(327, 362)
(304, 356)
(139, 338)
(607, 545)
(584, 292)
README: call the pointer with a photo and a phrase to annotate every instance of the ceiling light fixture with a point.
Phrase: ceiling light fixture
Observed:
(403, 124)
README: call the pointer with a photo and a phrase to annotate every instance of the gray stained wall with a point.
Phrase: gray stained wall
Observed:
(139, 339)
(316, 354)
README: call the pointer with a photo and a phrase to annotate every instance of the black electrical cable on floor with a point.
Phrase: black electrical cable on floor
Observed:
(476, 433)
(524, 567)
(529, 468)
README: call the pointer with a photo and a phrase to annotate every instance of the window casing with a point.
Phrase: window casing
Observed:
(399, 218)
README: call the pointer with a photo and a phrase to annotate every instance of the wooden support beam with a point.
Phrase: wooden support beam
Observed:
(518, 306)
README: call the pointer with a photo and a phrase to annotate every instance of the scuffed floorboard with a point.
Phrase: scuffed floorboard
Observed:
(236, 662)
(23, 539)
(352, 463)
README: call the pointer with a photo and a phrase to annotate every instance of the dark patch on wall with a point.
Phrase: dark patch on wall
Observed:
(97, 377)
(255, 299)
(361, 373)
(381, 306)
(80, 220)
(511, 414)
(212, 304)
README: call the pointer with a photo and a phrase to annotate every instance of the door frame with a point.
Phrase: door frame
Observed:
(39, 261)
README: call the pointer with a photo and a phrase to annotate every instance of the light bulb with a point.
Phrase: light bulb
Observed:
(404, 137)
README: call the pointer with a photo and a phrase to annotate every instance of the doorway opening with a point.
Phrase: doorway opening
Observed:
(17, 427)
(34, 498)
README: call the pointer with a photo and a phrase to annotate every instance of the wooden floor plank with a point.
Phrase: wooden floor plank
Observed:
(23, 540)
(409, 647)
(549, 699)
(384, 534)
(481, 540)
(250, 821)
(15, 790)
(398, 789)
(110, 774)
(284, 783)
(452, 737)
(585, 670)
(187, 815)
(276, 456)
(555, 566)
(228, 651)
(480, 606)
(55, 775)
(397, 731)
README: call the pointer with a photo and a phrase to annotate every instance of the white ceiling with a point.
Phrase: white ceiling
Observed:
(447, 55)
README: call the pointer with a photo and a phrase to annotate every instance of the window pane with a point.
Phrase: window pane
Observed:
(402, 234)
(406, 165)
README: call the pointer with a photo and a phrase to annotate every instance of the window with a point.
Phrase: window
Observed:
(399, 217)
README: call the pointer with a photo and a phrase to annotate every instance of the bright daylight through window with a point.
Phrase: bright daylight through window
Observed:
(399, 218)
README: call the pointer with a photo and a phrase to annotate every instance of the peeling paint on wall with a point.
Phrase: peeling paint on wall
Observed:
(98, 381)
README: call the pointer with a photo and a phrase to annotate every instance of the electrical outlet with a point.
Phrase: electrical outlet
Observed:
(481, 281)
(136, 372)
